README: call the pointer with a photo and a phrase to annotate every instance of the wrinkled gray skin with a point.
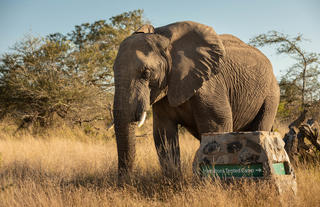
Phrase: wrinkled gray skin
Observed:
(193, 77)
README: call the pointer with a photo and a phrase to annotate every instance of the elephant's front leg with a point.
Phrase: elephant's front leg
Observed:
(165, 133)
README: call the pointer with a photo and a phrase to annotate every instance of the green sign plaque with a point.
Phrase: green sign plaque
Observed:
(227, 171)
(279, 168)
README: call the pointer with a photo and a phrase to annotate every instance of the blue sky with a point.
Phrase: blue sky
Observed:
(242, 18)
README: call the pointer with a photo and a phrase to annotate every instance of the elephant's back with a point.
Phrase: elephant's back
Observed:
(236, 46)
(229, 40)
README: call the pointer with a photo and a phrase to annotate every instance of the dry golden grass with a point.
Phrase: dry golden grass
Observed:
(67, 168)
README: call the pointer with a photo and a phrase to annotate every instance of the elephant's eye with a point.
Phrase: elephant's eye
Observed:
(146, 74)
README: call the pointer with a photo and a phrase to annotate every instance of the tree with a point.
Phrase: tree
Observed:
(37, 83)
(300, 85)
(289, 99)
(65, 75)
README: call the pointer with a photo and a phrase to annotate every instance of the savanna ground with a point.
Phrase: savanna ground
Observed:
(67, 167)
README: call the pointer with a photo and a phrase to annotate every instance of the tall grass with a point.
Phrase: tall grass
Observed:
(65, 167)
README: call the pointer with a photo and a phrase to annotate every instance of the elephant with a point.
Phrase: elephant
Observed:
(192, 77)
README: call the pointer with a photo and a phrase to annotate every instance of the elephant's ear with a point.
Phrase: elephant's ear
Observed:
(147, 28)
(195, 52)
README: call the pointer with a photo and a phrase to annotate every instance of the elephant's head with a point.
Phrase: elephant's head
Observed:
(171, 61)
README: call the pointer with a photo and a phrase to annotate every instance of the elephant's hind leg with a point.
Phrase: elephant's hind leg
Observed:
(266, 115)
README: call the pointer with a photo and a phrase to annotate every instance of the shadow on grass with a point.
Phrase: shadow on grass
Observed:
(152, 185)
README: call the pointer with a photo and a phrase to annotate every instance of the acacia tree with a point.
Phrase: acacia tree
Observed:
(65, 75)
(303, 76)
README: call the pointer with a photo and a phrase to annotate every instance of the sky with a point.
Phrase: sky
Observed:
(242, 18)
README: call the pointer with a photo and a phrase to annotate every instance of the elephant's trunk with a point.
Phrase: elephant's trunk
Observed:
(125, 136)
(125, 132)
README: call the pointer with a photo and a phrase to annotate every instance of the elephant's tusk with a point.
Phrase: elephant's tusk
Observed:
(143, 118)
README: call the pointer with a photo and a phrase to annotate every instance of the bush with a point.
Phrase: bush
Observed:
(36, 85)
